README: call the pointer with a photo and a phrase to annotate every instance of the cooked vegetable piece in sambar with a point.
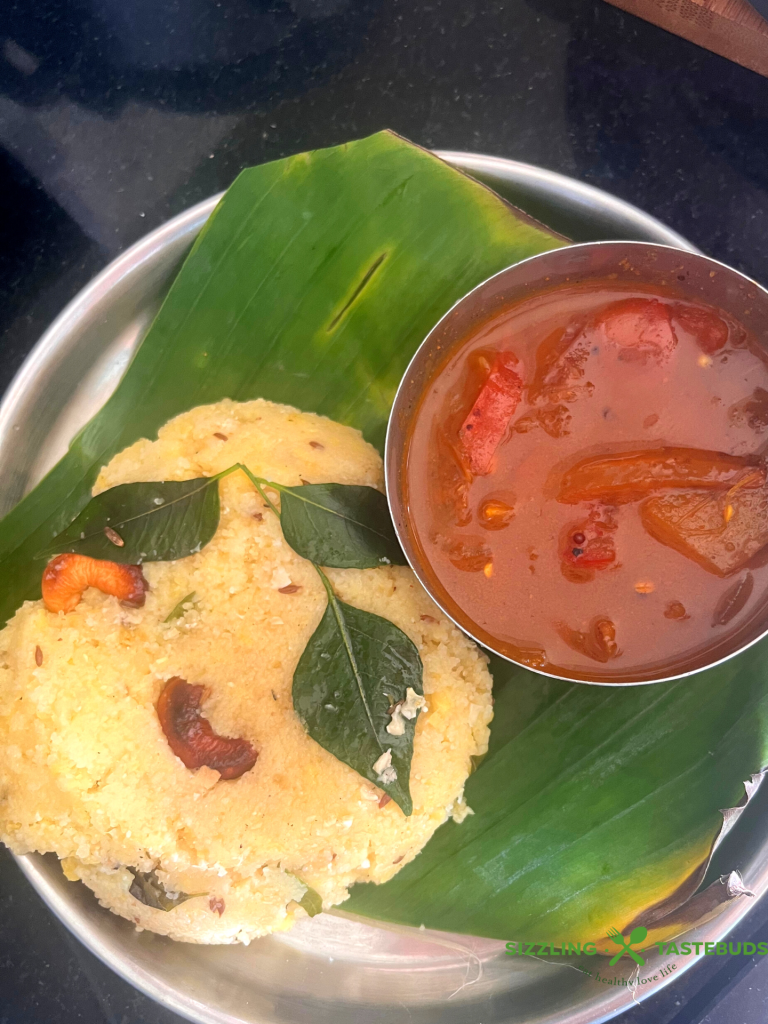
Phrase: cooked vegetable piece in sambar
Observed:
(587, 546)
(629, 476)
(585, 470)
(490, 416)
(721, 535)
(639, 326)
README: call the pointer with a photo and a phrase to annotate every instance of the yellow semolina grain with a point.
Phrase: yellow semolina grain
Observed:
(87, 773)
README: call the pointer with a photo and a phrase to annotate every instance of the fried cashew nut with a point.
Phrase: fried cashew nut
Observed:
(191, 737)
(67, 576)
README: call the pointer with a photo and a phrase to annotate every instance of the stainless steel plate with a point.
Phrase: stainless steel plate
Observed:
(330, 968)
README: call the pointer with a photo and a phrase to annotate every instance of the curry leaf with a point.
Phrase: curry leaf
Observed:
(145, 522)
(180, 610)
(147, 888)
(354, 669)
(339, 525)
(312, 902)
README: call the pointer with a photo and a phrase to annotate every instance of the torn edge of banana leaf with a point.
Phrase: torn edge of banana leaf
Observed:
(688, 906)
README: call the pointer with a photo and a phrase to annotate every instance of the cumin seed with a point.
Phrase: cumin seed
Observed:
(221, 437)
(38, 656)
(114, 537)
(291, 588)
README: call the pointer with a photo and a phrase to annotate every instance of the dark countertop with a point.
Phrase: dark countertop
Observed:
(116, 114)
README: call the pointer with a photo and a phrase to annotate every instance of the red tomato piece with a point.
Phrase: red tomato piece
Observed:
(641, 326)
(489, 418)
(561, 361)
(709, 330)
(587, 546)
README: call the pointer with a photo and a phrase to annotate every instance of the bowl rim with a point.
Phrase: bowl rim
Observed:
(393, 459)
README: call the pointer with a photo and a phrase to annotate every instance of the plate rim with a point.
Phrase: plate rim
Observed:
(178, 229)
(555, 181)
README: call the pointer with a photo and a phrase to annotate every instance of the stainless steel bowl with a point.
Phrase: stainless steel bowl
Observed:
(330, 969)
(694, 277)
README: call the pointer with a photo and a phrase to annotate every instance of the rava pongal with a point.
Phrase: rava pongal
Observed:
(88, 769)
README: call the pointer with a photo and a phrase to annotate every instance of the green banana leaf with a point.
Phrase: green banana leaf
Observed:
(596, 808)
(312, 283)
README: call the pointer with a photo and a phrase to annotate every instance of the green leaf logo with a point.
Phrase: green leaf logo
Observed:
(639, 934)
